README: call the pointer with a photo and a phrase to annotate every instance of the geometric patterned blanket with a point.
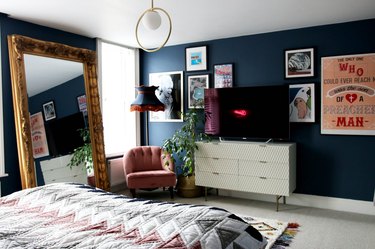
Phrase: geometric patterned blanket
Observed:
(68, 215)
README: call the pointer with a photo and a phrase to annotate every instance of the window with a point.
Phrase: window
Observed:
(118, 74)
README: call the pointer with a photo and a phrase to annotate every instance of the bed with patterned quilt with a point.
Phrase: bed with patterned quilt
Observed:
(67, 215)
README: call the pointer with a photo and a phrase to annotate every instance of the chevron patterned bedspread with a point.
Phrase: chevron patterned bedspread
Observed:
(66, 215)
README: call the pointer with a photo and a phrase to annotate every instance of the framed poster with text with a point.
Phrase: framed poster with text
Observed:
(38, 136)
(348, 95)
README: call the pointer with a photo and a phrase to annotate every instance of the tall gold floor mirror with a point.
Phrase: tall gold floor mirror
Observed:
(19, 46)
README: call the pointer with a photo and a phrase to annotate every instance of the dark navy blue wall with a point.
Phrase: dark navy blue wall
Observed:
(64, 97)
(327, 165)
(65, 100)
(10, 26)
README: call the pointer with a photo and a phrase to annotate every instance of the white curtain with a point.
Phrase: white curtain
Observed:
(118, 75)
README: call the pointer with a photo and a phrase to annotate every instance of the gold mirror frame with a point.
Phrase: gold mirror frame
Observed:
(18, 46)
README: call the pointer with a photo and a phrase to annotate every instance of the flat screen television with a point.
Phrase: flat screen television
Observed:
(258, 112)
(63, 134)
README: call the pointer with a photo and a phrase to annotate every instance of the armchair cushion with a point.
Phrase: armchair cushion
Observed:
(151, 179)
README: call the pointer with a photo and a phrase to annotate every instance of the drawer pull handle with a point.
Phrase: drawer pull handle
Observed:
(215, 158)
(263, 178)
(263, 161)
(215, 173)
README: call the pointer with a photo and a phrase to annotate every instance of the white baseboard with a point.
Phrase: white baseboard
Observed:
(338, 204)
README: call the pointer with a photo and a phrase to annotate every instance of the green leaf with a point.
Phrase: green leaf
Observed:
(182, 143)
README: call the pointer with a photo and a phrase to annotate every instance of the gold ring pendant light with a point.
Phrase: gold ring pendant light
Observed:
(148, 11)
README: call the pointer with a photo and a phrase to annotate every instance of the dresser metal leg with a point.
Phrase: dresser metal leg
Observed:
(277, 201)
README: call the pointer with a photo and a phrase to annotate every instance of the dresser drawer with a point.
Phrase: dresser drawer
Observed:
(216, 180)
(263, 169)
(263, 185)
(65, 174)
(217, 150)
(264, 152)
(216, 165)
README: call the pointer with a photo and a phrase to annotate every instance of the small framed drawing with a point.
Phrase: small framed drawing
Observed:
(82, 105)
(170, 93)
(196, 58)
(196, 85)
(299, 63)
(223, 75)
(302, 103)
(49, 110)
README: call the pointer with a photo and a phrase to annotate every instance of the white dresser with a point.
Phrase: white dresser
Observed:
(55, 170)
(266, 168)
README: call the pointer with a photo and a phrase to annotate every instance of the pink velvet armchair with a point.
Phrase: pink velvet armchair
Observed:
(145, 168)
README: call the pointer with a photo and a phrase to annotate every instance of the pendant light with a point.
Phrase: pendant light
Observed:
(151, 20)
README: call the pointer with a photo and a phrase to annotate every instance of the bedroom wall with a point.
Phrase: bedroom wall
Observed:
(12, 26)
(65, 100)
(64, 96)
(327, 165)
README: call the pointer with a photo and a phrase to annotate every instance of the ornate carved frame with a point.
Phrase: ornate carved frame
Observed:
(18, 46)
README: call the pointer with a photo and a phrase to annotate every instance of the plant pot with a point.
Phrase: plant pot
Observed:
(186, 187)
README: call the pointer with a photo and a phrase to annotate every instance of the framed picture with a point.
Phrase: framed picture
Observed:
(38, 136)
(299, 63)
(223, 75)
(170, 93)
(302, 103)
(348, 95)
(196, 86)
(196, 58)
(49, 110)
(82, 105)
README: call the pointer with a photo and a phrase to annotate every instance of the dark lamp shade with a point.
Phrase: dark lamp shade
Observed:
(146, 100)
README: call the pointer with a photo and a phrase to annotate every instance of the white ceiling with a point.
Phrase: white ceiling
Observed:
(193, 20)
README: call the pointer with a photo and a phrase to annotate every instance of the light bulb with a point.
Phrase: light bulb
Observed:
(151, 20)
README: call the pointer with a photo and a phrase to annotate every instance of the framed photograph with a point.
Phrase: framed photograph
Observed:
(348, 94)
(49, 110)
(299, 63)
(302, 103)
(170, 93)
(196, 58)
(223, 75)
(196, 86)
(82, 105)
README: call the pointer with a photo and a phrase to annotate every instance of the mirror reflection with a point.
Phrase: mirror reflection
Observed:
(59, 124)
(53, 111)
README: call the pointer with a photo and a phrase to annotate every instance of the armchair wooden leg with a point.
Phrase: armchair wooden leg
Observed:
(171, 191)
(132, 191)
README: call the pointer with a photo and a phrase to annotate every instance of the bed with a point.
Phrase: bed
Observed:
(68, 215)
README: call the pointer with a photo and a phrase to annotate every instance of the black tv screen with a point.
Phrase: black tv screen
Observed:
(63, 134)
(260, 112)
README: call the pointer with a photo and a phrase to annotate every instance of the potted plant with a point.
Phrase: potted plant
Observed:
(182, 146)
(83, 156)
